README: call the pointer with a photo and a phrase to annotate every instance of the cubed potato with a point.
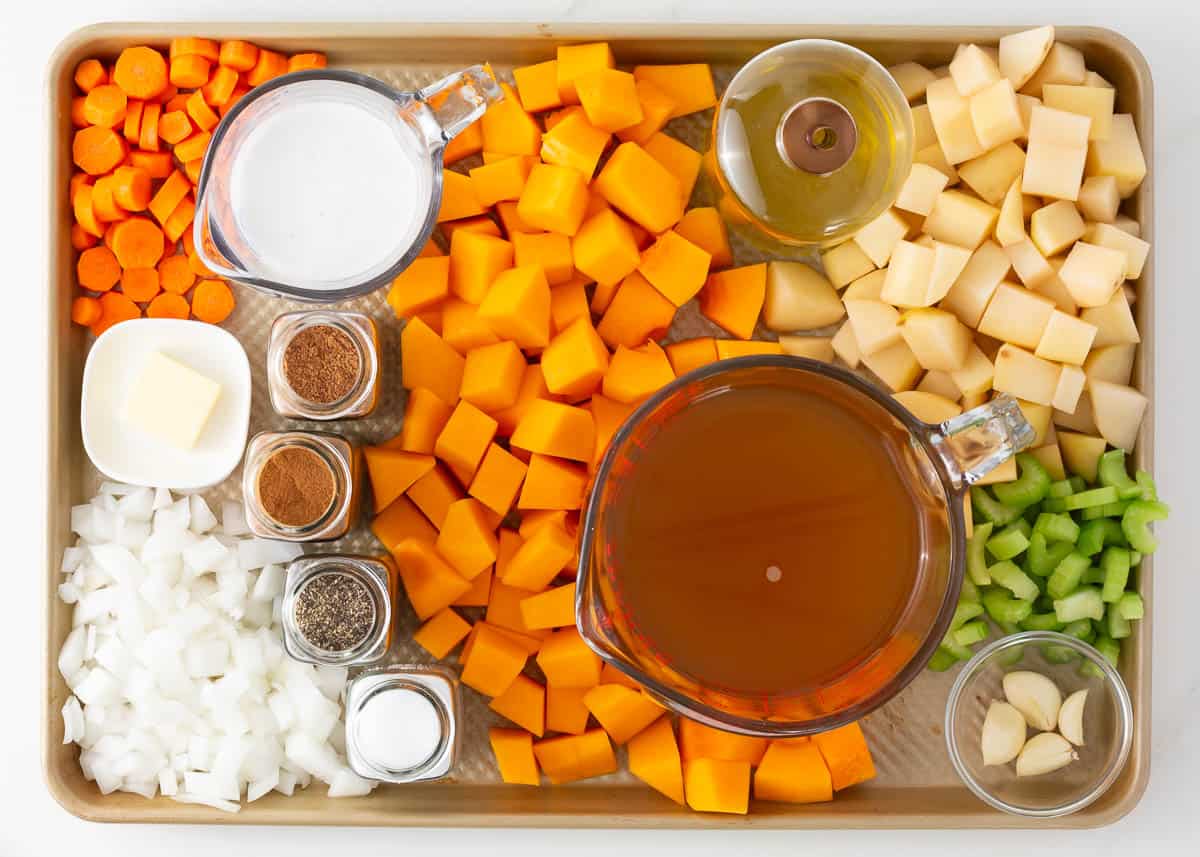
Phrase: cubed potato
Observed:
(909, 275)
(1092, 273)
(1070, 384)
(1025, 376)
(1025, 104)
(845, 346)
(961, 219)
(1050, 458)
(1127, 224)
(1016, 315)
(1098, 199)
(1114, 322)
(972, 70)
(875, 325)
(879, 237)
(971, 291)
(1081, 453)
(866, 288)
(996, 114)
(1066, 339)
(912, 78)
(1030, 265)
(951, 115)
(1135, 249)
(896, 366)
(1112, 363)
(812, 347)
(1054, 289)
(949, 260)
(992, 174)
(1010, 225)
(845, 263)
(1120, 156)
(799, 297)
(1056, 154)
(936, 158)
(937, 338)
(928, 407)
(1081, 420)
(923, 133)
(1118, 411)
(1094, 102)
(975, 377)
(1063, 64)
(1038, 417)
(1094, 79)
(940, 384)
(1055, 227)
(1022, 53)
(920, 191)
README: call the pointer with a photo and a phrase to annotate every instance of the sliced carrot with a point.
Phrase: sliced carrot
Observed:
(174, 275)
(238, 55)
(203, 115)
(193, 46)
(192, 169)
(97, 269)
(302, 62)
(78, 113)
(172, 192)
(198, 268)
(220, 86)
(105, 105)
(269, 65)
(103, 201)
(180, 219)
(212, 301)
(193, 147)
(174, 126)
(141, 72)
(97, 150)
(81, 239)
(189, 71)
(85, 214)
(148, 132)
(177, 102)
(108, 234)
(140, 284)
(131, 188)
(114, 308)
(133, 121)
(168, 305)
(238, 92)
(164, 98)
(137, 243)
(158, 164)
(89, 74)
(76, 180)
(85, 310)
(189, 243)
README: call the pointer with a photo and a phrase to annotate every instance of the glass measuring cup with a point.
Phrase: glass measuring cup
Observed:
(323, 185)
(936, 465)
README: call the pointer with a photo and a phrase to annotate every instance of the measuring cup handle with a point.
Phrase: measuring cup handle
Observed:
(977, 442)
(459, 99)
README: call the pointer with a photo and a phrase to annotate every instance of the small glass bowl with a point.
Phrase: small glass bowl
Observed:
(1107, 725)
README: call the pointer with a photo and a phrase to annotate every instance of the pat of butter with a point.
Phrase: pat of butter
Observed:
(171, 401)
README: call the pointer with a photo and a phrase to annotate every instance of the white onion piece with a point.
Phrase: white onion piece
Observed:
(203, 519)
(233, 519)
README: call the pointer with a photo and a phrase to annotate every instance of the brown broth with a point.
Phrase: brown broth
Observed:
(806, 484)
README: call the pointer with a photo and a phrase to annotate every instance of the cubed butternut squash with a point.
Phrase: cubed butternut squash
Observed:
(533, 387)
(567, 661)
(575, 142)
(517, 306)
(604, 248)
(552, 483)
(554, 199)
(734, 298)
(675, 266)
(482, 224)
(846, 755)
(554, 608)
(504, 611)
(689, 354)
(508, 129)
(468, 141)
(574, 362)
(622, 712)
(689, 85)
(492, 376)
(633, 376)
(550, 250)
(493, 662)
(477, 595)
(637, 312)
(611, 675)
(793, 773)
(392, 471)
(641, 188)
(501, 181)
(705, 228)
(656, 105)
(568, 303)
(427, 360)
(575, 60)
(466, 540)
(608, 416)
(423, 284)
(464, 440)
(430, 582)
(532, 519)
(476, 259)
(463, 328)
(654, 759)
(445, 630)
(510, 220)
(433, 493)
(524, 703)
(498, 479)
(539, 558)
(697, 741)
(568, 758)
(538, 86)
(565, 711)
(425, 415)
(402, 520)
(458, 198)
(716, 785)
(609, 98)
(552, 428)
(513, 749)
(680, 159)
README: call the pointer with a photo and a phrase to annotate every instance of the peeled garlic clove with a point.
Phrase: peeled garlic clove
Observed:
(1035, 696)
(1003, 733)
(1070, 717)
(1045, 753)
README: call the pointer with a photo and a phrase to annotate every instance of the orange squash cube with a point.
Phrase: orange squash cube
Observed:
(793, 773)
(463, 328)
(539, 559)
(532, 519)
(553, 483)
(430, 250)
(533, 387)
(611, 675)
(846, 755)
(674, 266)
(492, 376)
(513, 749)
(576, 60)
(567, 661)
(690, 85)
(504, 611)
(510, 541)
(466, 541)
(633, 376)
(574, 142)
(727, 348)
(554, 199)
(508, 129)
(433, 493)
(654, 759)
(554, 608)
(550, 250)
(637, 312)
(477, 595)
(511, 221)
(464, 440)
(498, 480)
(538, 86)
(552, 120)
(568, 758)
(656, 110)
(689, 354)
(621, 712)
(602, 297)
(402, 520)
(458, 198)
(527, 643)
(524, 703)
(469, 141)
(425, 416)
(574, 362)
(493, 663)
(608, 415)
(565, 711)
(427, 360)
(681, 160)
(517, 306)
(552, 428)
(604, 248)
(609, 98)
(734, 298)
(705, 228)
(714, 785)
(482, 224)
(641, 188)
(697, 741)
(421, 285)
(392, 471)
(476, 260)
(445, 630)
(429, 581)
(568, 304)
(502, 180)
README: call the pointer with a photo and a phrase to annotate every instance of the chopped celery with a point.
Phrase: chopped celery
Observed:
(1084, 603)
(1109, 648)
(976, 561)
(942, 660)
(1093, 574)
(1043, 558)
(1094, 535)
(1008, 543)
(1116, 625)
(1066, 575)
(1058, 654)
(1112, 473)
(991, 509)
(964, 612)
(1011, 656)
(1146, 483)
(1060, 489)
(1028, 488)
(961, 653)
(1108, 510)
(1022, 526)
(1130, 606)
(1135, 559)
(1009, 628)
(1041, 622)
(1088, 499)
(1080, 630)
(1136, 521)
(1002, 607)
(1057, 527)
(969, 591)
(971, 633)
(1115, 563)
(1077, 484)
(1017, 582)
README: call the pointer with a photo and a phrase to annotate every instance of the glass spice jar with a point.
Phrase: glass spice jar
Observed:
(323, 365)
(337, 609)
(300, 486)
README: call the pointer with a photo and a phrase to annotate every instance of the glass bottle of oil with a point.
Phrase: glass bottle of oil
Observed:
(812, 141)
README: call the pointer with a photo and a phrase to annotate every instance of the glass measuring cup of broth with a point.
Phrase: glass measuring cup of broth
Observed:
(774, 546)
(323, 185)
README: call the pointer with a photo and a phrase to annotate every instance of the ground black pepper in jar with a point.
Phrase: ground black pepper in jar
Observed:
(334, 611)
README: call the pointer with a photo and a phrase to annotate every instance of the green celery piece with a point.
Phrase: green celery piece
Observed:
(971, 633)
(1041, 622)
(1066, 575)
(942, 660)
(1136, 520)
(1135, 559)
(1084, 603)
(1087, 669)
(1111, 472)
(1028, 488)
(1057, 527)
(1109, 648)
(1012, 656)
(1008, 543)
(1094, 535)
(1080, 630)
(1002, 607)
(1146, 482)
(1077, 484)
(1044, 558)
(1029, 516)
(1054, 504)
(1115, 563)
(1108, 510)
(1116, 625)
(964, 612)
(1009, 628)
(1090, 498)
(1008, 575)
(1093, 574)
(961, 653)
(1130, 606)
(976, 561)
(1060, 489)
(1022, 526)
(968, 591)
(1058, 654)
(991, 509)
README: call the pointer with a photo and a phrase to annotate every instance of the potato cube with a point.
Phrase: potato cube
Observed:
(1066, 339)
(1016, 315)
(1025, 376)
(812, 347)
(1070, 385)
(1056, 154)
(1111, 363)
(940, 384)
(1127, 224)
(867, 288)
(949, 260)
(797, 298)
(928, 407)
(971, 291)
(1063, 64)
(912, 78)
(961, 219)
(992, 174)
(923, 133)
(1030, 265)
(878, 237)
(1025, 104)
(1094, 102)
(1119, 156)
(845, 346)
(976, 375)
(937, 338)
(874, 324)
(920, 191)
(896, 366)
(1118, 411)
(1135, 249)
(906, 281)
(1081, 453)
(936, 158)
(1010, 225)
(845, 263)
(996, 115)
(1055, 227)
(1038, 417)
(1022, 53)
(1114, 322)
(951, 115)
(1092, 273)
(1094, 79)
(1098, 199)
(973, 70)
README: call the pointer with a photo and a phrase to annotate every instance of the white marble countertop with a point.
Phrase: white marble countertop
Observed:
(1168, 816)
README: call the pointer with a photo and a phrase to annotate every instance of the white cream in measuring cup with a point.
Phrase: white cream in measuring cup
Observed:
(323, 185)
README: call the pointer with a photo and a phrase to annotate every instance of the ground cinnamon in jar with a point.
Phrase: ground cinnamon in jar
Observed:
(322, 364)
(295, 486)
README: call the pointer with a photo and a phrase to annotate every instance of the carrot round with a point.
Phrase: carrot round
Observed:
(141, 72)
(85, 213)
(85, 310)
(131, 188)
(169, 195)
(193, 147)
(194, 46)
(114, 308)
(238, 92)
(179, 220)
(168, 305)
(203, 115)
(137, 243)
(148, 133)
(192, 169)
(198, 268)
(189, 71)
(76, 180)
(238, 55)
(176, 102)
(89, 74)
(97, 269)
(174, 126)
(175, 275)
(212, 301)
(133, 121)
(140, 284)
(104, 203)
(78, 113)
(105, 105)
(221, 85)
(97, 150)
(269, 65)
(300, 62)
(81, 239)
(158, 164)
